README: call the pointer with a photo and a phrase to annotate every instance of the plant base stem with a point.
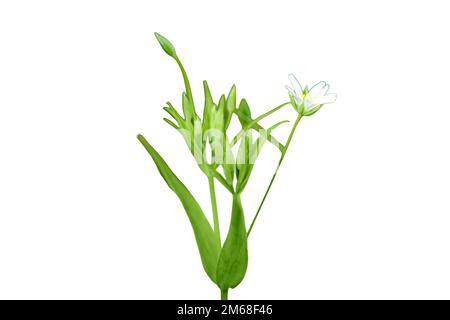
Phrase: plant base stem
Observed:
(212, 192)
(223, 294)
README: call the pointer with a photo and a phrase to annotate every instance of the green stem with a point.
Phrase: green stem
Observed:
(222, 180)
(255, 121)
(186, 80)
(212, 193)
(223, 294)
(283, 154)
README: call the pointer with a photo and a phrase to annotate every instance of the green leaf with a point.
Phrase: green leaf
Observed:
(208, 106)
(208, 97)
(207, 243)
(242, 158)
(170, 122)
(229, 162)
(166, 45)
(175, 115)
(197, 152)
(230, 106)
(188, 108)
(218, 115)
(247, 154)
(233, 258)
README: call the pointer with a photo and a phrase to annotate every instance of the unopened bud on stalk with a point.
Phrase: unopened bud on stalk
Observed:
(166, 45)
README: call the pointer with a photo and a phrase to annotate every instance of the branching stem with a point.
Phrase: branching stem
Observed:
(255, 121)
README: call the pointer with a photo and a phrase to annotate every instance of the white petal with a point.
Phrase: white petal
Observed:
(329, 98)
(319, 89)
(296, 85)
(297, 99)
(291, 91)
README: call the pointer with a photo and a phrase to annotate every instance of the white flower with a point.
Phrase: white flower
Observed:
(309, 101)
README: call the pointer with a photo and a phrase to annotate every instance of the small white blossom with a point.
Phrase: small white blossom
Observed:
(309, 101)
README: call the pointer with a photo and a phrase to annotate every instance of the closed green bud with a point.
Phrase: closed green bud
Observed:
(243, 112)
(166, 45)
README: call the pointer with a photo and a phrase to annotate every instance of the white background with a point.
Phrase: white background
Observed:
(360, 208)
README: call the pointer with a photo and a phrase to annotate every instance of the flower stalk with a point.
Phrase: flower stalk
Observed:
(283, 154)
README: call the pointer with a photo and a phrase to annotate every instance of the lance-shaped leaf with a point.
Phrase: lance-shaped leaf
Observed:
(243, 160)
(207, 243)
(209, 104)
(175, 115)
(247, 154)
(233, 259)
(170, 122)
(230, 106)
(188, 109)
(228, 162)
(219, 121)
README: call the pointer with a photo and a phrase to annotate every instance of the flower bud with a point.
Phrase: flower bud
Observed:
(166, 45)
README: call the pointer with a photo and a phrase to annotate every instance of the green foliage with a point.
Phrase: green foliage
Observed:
(233, 259)
(208, 247)
(230, 106)
(225, 265)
